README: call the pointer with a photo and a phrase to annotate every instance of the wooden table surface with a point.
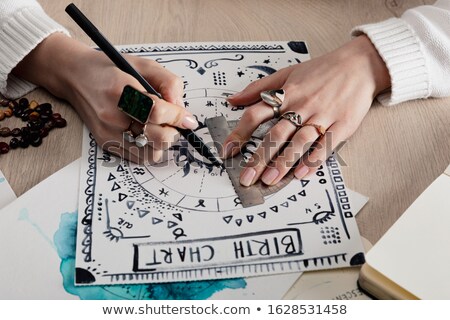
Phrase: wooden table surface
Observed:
(395, 154)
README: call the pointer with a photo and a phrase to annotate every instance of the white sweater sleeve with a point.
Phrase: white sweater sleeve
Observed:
(23, 25)
(416, 50)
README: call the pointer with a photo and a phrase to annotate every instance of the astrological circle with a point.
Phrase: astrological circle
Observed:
(185, 179)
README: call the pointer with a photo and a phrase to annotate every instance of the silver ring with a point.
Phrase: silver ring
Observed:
(142, 139)
(128, 135)
(293, 117)
(275, 99)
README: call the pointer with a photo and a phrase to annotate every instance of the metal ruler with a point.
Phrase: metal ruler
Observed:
(219, 129)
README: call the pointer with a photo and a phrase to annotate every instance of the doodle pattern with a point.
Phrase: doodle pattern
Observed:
(181, 219)
(64, 240)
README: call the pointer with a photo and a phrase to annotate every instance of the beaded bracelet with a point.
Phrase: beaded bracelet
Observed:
(39, 119)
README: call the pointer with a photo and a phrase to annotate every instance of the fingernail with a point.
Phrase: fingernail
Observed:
(247, 176)
(189, 122)
(270, 175)
(228, 148)
(301, 172)
(236, 95)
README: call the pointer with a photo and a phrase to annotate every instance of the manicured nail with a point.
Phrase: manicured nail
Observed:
(270, 175)
(301, 172)
(247, 177)
(189, 122)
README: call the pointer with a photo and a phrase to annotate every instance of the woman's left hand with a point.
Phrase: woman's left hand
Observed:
(333, 92)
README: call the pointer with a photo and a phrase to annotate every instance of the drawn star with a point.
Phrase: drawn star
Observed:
(186, 104)
(260, 76)
(163, 192)
(240, 73)
(267, 61)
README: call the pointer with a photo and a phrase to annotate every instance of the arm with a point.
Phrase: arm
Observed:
(23, 25)
(416, 51)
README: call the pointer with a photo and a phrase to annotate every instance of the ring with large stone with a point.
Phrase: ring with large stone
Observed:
(136, 104)
(275, 99)
(142, 139)
(293, 117)
(128, 135)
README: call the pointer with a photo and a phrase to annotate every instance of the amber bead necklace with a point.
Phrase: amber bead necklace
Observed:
(39, 119)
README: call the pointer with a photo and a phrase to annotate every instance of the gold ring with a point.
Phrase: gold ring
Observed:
(320, 129)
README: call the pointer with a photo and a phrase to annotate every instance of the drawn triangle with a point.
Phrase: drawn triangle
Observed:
(143, 213)
(111, 177)
(250, 218)
(227, 219)
(262, 214)
(293, 198)
(130, 204)
(285, 204)
(120, 168)
(239, 222)
(178, 216)
(115, 186)
(122, 197)
(171, 224)
(156, 220)
(302, 193)
(274, 208)
(304, 183)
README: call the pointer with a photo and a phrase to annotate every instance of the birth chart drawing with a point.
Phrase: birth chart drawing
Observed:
(181, 219)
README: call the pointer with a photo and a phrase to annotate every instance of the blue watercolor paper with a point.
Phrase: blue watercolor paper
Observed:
(65, 243)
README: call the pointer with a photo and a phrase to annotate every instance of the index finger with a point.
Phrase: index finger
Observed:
(166, 113)
(165, 82)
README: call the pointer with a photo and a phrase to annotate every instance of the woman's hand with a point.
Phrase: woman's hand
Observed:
(334, 91)
(93, 85)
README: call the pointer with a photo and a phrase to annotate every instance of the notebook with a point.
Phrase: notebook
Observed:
(412, 260)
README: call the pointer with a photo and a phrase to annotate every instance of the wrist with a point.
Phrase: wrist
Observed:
(50, 64)
(364, 57)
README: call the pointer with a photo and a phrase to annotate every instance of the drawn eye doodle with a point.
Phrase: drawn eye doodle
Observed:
(113, 234)
(323, 216)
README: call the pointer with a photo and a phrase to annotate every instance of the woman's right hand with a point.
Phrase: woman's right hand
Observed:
(93, 85)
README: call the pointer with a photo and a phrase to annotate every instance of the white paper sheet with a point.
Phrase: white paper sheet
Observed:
(32, 267)
(181, 220)
(7, 194)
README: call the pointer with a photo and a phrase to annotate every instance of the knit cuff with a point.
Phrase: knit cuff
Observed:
(401, 50)
(19, 35)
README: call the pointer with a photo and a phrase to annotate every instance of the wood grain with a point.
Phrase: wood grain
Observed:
(393, 156)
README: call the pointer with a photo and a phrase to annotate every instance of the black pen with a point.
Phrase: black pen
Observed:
(123, 65)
